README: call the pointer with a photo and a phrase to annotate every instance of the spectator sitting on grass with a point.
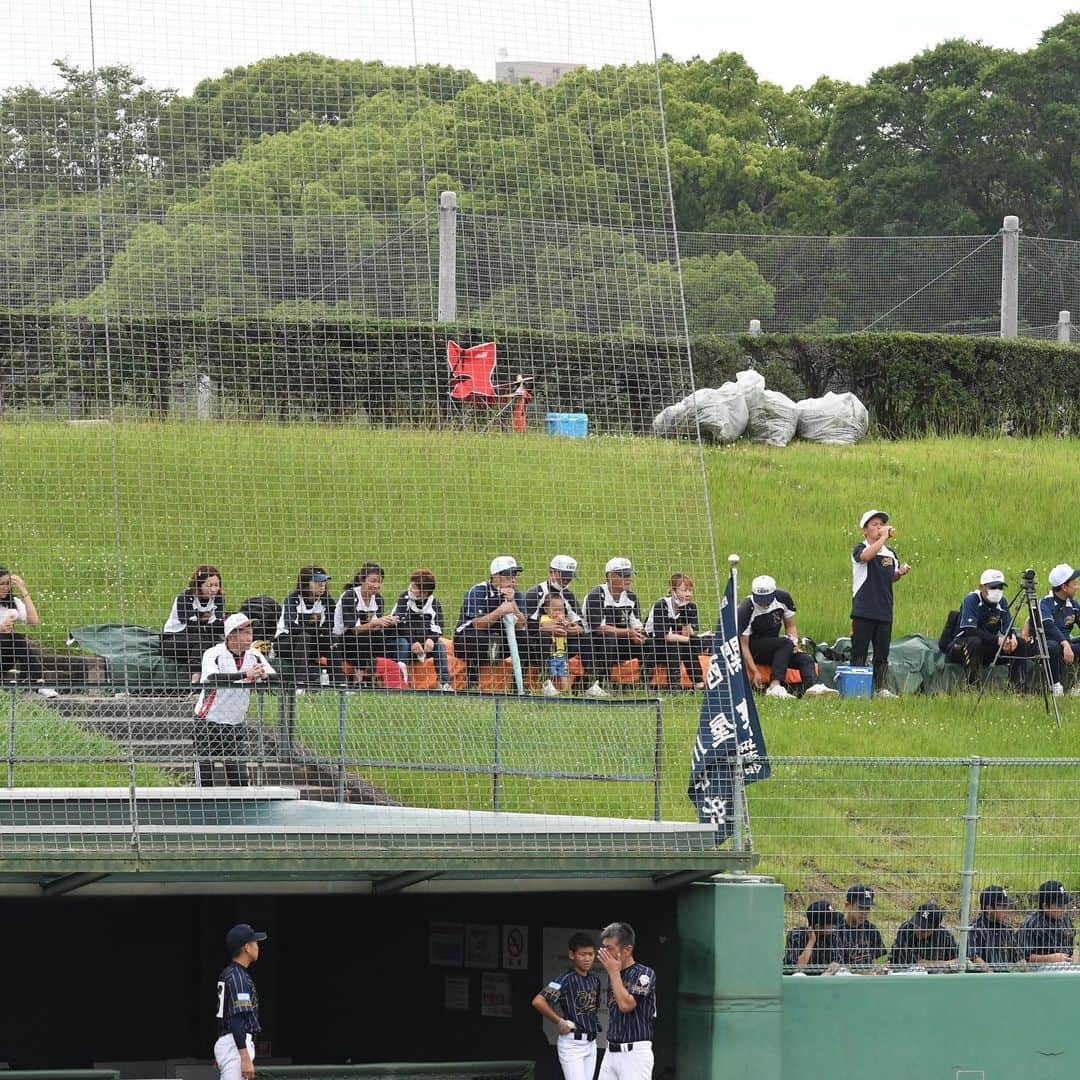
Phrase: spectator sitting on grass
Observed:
(1061, 615)
(195, 622)
(17, 651)
(1047, 936)
(537, 644)
(420, 625)
(613, 620)
(992, 941)
(817, 944)
(923, 942)
(760, 618)
(859, 939)
(303, 636)
(480, 636)
(674, 633)
(553, 627)
(360, 622)
(985, 627)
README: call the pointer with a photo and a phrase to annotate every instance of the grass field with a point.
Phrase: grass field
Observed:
(260, 500)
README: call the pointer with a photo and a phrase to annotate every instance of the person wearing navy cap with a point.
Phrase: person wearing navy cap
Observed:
(238, 1006)
(985, 631)
(859, 939)
(1061, 616)
(874, 569)
(992, 942)
(631, 1007)
(1047, 935)
(815, 946)
(922, 941)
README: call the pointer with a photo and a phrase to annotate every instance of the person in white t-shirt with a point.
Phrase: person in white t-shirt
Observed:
(17, 651)
(228, 672)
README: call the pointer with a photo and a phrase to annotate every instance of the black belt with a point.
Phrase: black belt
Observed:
(616, 1048)
(590, 1035)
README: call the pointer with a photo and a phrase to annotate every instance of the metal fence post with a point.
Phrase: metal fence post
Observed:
(738, 804)
(658, 760)
(448, 209)
(204, 398)
(1064, 327)
(496, 772)
(1010, 275)
(260, 760)
(341, 724)
(11, 741)
(967, 874)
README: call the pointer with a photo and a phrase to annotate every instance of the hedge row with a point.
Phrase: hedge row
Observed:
(395, 373)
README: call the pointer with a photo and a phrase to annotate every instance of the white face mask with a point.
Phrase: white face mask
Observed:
(994, 596)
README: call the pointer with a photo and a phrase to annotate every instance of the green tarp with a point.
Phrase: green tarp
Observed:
(133, 655)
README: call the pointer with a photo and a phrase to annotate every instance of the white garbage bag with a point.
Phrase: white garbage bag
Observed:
(834, 418)
(773, 416)
(722, 414)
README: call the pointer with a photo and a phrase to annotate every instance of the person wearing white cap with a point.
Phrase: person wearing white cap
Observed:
(874, 569)
(765, 621)
(613, 624)
(480, 635)
(985, 630)
(537, 637)
(228, 672)
(1061, 615)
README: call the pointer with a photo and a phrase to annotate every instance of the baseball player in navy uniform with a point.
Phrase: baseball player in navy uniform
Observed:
(874, 569)
(815, 947)
(1047, 936)
(631, 1007)
(480, 635)
(860, 941)
(922, 941)
(985, 627)
(570, 1003)
(768, 635)
(228, 672)
(992, 941)
(238, 1006)
(1061, 617)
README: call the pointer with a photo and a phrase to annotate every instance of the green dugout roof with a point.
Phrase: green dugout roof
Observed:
(115, 841)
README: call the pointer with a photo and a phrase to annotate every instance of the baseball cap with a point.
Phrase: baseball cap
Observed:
(1062, 574)
(235, 621)
(618, 565)
(239, 936)
(1053, 892)
(861, 896)
(564, 564)
(821, 914)
(928, 916)
(872, 514)
(763, 587)
(504, 564)
(320, 575)
(993, 577)
(996, 896)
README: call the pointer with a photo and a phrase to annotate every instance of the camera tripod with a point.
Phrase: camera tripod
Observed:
(1027, 597)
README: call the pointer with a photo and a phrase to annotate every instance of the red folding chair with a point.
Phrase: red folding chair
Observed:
(471, 373)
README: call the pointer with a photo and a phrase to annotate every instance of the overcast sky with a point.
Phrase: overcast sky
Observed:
(177, 42)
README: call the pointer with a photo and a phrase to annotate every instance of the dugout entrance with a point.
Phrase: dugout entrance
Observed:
(388, 924)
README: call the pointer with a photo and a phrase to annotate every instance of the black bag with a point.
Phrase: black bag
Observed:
(948, 635)
(263, 611)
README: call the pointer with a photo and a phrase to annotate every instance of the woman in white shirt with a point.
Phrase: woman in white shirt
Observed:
(17, 651)
(195, 622)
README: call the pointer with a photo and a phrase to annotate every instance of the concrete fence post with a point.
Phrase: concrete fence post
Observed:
(755, 327)
(204, 398)
(1064, 327)
(1010, 275)
(448, 210)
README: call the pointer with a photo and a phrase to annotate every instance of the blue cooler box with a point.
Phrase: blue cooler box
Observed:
(573, 424)
(855, 681)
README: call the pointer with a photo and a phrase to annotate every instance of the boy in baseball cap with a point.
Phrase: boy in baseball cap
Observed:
(922, 941)
(860, 940)
(1061, 616)
(992, 941)
(1047, 936)
(815, 945)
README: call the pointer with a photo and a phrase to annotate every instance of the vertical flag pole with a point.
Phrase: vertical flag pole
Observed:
(738, 788)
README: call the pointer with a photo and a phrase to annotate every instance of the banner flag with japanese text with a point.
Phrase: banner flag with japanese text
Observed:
(728, 731)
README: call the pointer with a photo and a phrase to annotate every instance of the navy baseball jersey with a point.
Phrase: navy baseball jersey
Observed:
(1060, 618)
(482, 599)
(826, 949)
(1041, 935)
(237, 1003)
(575, 997)
(764, 622)
(872, 584)
(983, 619)
(998, 945)
(908, 949)
(859, 945)
(636, 1025)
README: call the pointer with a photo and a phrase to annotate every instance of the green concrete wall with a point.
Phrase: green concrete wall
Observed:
(995, 1026)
